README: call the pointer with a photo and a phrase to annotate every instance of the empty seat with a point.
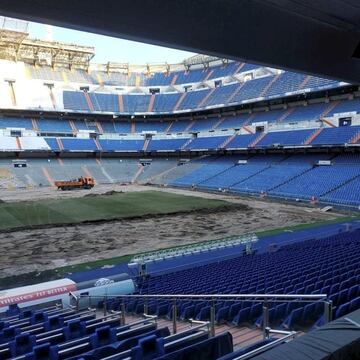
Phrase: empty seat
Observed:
(242, 316)
(342, 310)
(293, 318)
(354, 304)
(74, 329)
(22, 344)
(42, 352)
(103, 336)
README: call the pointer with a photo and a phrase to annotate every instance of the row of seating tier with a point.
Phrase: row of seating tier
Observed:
(295, 177)
(324, 266)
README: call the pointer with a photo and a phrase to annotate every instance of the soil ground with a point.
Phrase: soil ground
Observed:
(38, 249)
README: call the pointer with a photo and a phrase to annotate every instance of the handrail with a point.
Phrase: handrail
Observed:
(214, 296)
(76, 298)
(264, 298)
(261, 349)
(197, 247)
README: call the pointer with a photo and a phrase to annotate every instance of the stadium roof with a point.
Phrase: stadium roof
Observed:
(319, 37)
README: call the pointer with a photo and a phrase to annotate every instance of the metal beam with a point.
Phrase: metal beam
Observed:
(308, 38)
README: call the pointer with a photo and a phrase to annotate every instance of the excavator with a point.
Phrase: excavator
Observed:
(83, 182)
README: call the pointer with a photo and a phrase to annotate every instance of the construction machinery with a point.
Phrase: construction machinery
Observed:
(83, 182)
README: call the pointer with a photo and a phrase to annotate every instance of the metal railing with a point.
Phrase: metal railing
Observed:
(288, 335)
(189, 249)
(265, 299)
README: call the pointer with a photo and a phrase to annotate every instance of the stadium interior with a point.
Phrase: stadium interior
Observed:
(228, 131)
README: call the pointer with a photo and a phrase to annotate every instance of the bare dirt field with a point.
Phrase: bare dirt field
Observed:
(51, 247)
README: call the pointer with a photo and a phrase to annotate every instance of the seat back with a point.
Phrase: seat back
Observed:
(149, 347)
(22, 344)
(103, 336)
(74, 329)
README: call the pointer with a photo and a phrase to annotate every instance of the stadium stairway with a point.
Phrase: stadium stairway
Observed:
(52, 97)
(290, 179)
(73, 126)
(167, 131)
(268, 86)
(173, 80)
(60, 144)
(104, 172)
(227, 141)
(99, 127)
(47, 176)
(246, 128)
(209, 73)
(215, 175)
(242, 336)
(133, 127)
(248, 177)
(146, 144)
(328, 122)
(121, 103)
(313, 136)
(218, 123)
(341, 185)
(355, 139)
(249, 119)
(235, 93)
(35, 124)
(88, 101)
(11, 91)
(285, 115)
(186, 144)
(331, 106)
(191, 124)
(97, 143)
(304, 82)
(257, 140)
(151, 103)
(138, 172)
(206, 97)
(180, 100)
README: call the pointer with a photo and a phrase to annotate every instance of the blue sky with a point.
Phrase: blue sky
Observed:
(108, 48)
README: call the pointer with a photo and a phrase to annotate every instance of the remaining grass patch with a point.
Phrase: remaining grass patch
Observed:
(49, 212)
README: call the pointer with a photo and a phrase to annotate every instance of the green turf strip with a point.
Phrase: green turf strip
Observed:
(97, 208)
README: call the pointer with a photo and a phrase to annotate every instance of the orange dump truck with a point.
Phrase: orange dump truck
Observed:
(82, 182)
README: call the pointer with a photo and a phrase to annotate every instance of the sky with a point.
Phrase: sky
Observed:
(108, 48)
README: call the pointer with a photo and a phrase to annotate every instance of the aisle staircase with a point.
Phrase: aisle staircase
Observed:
(313, 136)
(218, 123)
(121, 103)
(304, 82)
(257, 140)
(179, 102)
(184, 146)
(268, 86)
(355, 139)
(227, 141)
(138, 173)
(146, 144)
(204, 100)
(60, 144)
(88, 101)
(151, 103)
(285, 114)
(331, 106)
